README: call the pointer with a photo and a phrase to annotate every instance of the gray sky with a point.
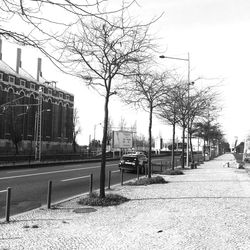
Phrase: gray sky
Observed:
(214, 32)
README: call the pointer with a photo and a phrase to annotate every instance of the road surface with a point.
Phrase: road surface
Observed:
(29, 185)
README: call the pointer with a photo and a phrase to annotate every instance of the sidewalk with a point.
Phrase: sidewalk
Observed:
(207, 208)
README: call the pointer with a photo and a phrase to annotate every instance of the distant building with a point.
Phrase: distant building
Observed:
(19, 93)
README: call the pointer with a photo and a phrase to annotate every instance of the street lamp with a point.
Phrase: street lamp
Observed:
(188, 61)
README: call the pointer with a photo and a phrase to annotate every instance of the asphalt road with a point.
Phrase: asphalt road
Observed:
(29, 185)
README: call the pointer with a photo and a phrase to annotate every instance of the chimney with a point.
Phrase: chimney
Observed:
(0, 49)
(18, 60)
(39, 69)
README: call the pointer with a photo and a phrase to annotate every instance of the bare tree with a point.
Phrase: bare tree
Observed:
(199, 103)
(110, 128)
(146, 89)
(103, 51)
(206, 126)
(42, 22)
(122, 124)
(181, 111)
(168, 112)
(76, 129)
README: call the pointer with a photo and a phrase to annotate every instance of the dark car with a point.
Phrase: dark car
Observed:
(131, 161)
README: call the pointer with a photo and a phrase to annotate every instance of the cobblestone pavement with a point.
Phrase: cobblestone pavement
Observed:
(207, 208)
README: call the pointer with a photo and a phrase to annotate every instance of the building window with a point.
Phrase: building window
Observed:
(32, 86)
(60, 121)
(50, 91)
(60, 95)
(67, 97)
(1, 76)
(11, 79)
(22, 83)
(42, 88)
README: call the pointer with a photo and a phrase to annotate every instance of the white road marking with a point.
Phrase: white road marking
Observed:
(116, 171)
(51, 172)
(72, 179)
(2, 191)
(16, 171)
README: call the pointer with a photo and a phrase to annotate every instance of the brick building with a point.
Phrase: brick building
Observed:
(19, 94)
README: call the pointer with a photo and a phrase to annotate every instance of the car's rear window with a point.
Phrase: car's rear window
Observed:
(126, 158)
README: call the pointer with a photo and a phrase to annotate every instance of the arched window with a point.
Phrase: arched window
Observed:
(9, 113)
(31, 116)
(10, 95)
(48, 120)
(23, 114)
(68, 122)
(2, 113)
(60, 113)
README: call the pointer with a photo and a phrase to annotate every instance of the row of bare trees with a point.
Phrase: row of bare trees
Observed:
(188, 111)
(111, 53)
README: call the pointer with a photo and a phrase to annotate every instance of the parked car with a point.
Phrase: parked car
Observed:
(130, 162)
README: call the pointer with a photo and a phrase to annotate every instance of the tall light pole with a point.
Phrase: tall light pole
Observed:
(188, 61)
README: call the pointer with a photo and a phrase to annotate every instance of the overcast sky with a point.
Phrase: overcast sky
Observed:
(214, 32)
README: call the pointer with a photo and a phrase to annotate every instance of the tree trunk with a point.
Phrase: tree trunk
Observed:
(191, 147)
(173, 145)
(150, 141)
(183, 141)
(16, 148)
(74, 145)
(104, 140)
(204, 149)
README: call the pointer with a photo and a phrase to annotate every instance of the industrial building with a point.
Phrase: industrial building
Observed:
(35, 115)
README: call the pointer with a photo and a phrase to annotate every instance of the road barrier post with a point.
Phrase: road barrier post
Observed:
(90, 183)
(49, 194)
(122, 170)
(7, 210)
(109, 179)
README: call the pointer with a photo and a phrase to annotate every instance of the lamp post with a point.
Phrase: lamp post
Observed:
(188, 61)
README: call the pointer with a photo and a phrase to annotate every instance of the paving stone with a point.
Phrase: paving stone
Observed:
(207, 208)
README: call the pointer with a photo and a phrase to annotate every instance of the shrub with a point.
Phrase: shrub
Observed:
(173, 172)
(109, 200)
(147, 181)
